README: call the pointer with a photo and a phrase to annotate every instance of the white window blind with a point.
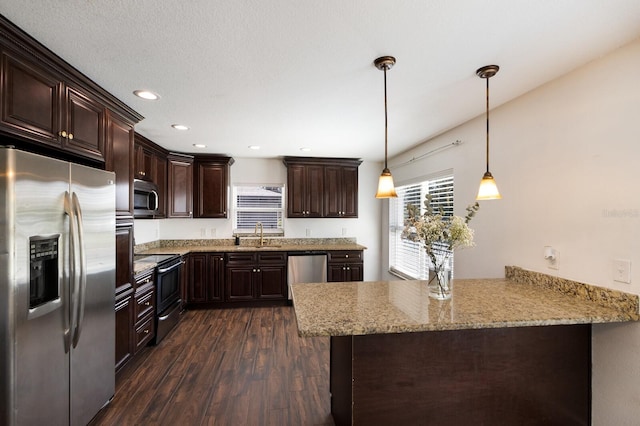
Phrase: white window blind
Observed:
(406, 258)
(258, 203)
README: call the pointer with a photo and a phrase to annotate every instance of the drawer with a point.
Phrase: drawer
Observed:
(145, 302)
(344, 256)
(144, 333)
(144, 278)
(272, 257)
(241, 257)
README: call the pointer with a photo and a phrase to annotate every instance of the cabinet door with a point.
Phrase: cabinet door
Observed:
(349, 191)
(240, 282)
(211, 190)
(180, 191)
(31, 100)
(144, 163)
(124, 339)
(271, 282)
(124, 255)
(84, 124)
(354, 272)
(120, 160)
(159, 170)
(296, 191)
(333, 195)
(335, 273)
(215, 286)
(197, 278)
(315, 190)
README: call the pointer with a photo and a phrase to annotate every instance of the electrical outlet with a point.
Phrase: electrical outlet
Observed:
(213, 232)
(622, 271)
(344, 232)
(308, 232)
(555, 262)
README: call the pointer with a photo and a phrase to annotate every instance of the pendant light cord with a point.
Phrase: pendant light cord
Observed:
(487, 124)
(385, 117)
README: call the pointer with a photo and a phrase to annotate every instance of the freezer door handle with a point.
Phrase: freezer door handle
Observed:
(82, 276)
(67, 294)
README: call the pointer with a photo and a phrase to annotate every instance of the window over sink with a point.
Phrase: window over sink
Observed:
(408, 259)
(253, 203)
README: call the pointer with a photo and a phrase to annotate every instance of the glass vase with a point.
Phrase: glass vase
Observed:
(440, 280)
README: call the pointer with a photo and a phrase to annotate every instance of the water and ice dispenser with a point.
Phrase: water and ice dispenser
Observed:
(43, 271)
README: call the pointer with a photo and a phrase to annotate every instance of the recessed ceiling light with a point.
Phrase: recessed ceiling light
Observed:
(146, 94)
(199, 145)
(254, 147)
(179, 127)
(305, 149)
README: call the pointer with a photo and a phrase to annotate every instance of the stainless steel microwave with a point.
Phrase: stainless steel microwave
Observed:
(146, 200)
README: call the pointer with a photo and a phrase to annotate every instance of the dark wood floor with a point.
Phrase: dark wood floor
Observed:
(226, 367)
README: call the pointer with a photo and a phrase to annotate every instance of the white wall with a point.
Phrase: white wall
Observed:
(566, 160)
(366, 228)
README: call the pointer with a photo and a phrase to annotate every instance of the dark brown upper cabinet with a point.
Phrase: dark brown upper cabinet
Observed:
(120, 160)
(39, 106)
(47, 103)
(180, 185)
(151, 165)
(211, 186)
(322, 187)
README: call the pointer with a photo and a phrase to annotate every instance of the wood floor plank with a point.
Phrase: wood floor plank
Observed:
(242, 366)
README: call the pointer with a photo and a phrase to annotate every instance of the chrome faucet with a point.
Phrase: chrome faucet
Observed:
(261, 232)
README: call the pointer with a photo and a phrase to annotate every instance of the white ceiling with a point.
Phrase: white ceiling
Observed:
(288, 74)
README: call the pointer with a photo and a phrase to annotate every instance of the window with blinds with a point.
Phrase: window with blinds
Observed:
(408, 259)
(258, 203)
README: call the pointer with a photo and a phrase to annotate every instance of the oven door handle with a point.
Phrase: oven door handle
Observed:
(170, 268)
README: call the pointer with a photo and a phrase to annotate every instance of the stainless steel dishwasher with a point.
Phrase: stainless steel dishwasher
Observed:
(306, 267)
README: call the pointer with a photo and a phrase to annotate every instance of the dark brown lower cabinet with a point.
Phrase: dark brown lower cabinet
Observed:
(345, 265)
(206, 278)
(124, 326)
(145, 309)
(506, 376)
(256, 276)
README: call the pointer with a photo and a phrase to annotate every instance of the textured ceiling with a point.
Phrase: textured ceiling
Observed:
(299, 73)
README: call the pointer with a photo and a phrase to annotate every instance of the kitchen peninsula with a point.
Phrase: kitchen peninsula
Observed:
(501, 351)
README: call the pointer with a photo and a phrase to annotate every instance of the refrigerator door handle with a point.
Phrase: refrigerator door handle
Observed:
(67, 295)
(82, 277)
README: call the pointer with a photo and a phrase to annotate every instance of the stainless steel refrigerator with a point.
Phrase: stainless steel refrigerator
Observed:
(57, 279)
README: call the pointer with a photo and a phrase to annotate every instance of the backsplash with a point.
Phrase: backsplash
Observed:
(626, 302)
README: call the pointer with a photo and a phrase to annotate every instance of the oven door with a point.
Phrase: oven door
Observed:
(168, 284)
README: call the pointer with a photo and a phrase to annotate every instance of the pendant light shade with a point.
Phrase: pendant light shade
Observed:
(488, 189)
(386, 188)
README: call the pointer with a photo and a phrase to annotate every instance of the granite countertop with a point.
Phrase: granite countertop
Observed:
(183, 247)
(378, 307)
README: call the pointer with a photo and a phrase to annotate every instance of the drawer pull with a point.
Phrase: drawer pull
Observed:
(147, 303)
(146, 331)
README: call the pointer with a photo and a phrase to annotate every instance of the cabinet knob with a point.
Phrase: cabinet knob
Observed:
(346, 256)
(70, 135)
(63, 134)
(146, 332)
(147, 304)
(348, 269)
(258, 269)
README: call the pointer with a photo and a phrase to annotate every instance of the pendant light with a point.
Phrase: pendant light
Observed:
(488, 189)
(386, 188)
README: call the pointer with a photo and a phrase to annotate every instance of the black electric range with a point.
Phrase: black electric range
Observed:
(158, 259)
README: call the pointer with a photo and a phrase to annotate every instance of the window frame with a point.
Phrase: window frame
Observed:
(236, 209)
(408, 259)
